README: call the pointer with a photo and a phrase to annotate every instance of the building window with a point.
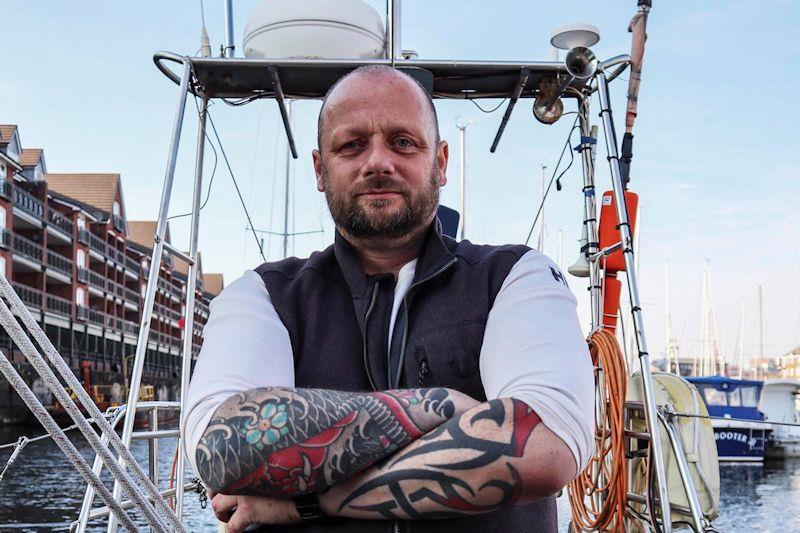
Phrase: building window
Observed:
(80, 297)
(81, 223)
(144, 289)
(2, 217)
(2, 265)
(115, 209)
(81, 258)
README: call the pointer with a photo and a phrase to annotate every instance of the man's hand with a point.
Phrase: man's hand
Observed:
(241, 511)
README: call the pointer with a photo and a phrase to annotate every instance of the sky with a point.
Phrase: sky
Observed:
(715, 157)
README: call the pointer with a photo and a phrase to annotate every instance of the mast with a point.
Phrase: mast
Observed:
(462, 145)
(541, 226)
(760, 329)
(286, 189)
(704, 325)
(740, 348)
(671, 349)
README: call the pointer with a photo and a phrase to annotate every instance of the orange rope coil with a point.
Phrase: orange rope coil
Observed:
(598, 496)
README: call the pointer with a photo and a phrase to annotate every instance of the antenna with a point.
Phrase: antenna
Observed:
(229, 47)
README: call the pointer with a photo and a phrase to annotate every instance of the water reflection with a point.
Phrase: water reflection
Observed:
(43, 492)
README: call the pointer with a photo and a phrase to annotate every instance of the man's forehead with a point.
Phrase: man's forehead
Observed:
(383, 94)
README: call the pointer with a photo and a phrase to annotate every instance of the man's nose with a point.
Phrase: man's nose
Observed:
(379, 159)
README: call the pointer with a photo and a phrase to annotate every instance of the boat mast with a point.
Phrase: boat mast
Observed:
(740, 360)
(671, 350)
(541, 227)
(760, 329)
(286, 189)
(462, 145)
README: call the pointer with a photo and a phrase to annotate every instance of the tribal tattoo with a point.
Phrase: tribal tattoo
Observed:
(467, 465)
(283, 442)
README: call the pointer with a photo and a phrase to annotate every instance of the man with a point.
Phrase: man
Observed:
(398, 380)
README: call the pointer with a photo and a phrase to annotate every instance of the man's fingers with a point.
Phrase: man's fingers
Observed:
(240, 519)
(224, 505)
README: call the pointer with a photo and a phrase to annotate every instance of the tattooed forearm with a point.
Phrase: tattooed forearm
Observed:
(475, 463)
(284, 442)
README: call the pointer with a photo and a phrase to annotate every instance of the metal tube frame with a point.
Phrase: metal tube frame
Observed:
(191, 286)
(117, 414)
(152, 278)
(229, 46)
(590, 212)
(651, 418)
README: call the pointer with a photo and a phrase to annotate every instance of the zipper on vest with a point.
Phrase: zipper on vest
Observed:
(405, 318)
(364, 336)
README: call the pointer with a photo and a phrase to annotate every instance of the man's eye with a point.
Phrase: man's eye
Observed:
(404, 142)
(352, 145)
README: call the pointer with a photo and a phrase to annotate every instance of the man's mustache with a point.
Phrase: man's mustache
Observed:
(379, 185)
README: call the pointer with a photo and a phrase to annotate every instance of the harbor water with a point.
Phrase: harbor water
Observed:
(42, 492)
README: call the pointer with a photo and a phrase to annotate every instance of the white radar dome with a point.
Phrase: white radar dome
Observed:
(326, 29)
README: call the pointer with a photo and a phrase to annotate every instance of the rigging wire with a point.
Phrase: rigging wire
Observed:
(503, 101)
(567, 145)
(213, 171)
(236, 186)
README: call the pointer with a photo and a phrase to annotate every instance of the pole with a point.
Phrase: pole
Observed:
(191, 284)
(541, 227)
(462, 144)
(229, 46)
(286, 192)
(740, 360)
(636, 310)
(760, 329)
(152, 277)
(588, 148)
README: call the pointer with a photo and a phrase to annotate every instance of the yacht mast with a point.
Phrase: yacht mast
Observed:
(462, 144)
(541, 224)
(671, 350)
(740, 348)
(760, 329)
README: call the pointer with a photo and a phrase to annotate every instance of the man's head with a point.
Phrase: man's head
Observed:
(379, 161)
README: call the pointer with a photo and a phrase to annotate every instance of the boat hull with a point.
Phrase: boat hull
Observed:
(744, 442)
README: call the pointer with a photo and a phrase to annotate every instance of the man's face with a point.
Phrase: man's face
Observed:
(380, 166)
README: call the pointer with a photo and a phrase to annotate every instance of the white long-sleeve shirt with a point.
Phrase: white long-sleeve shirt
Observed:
(533, 351)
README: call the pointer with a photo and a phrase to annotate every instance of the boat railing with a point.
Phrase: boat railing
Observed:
(151, 434)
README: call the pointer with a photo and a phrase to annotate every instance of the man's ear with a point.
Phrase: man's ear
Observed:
(442, 156)
(317, 158)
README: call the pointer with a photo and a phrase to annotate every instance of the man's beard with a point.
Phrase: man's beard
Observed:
(352, 217)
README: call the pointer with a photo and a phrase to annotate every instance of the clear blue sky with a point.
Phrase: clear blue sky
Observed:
(716, 156)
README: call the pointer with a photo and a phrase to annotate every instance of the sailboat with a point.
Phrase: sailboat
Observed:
(740, 429)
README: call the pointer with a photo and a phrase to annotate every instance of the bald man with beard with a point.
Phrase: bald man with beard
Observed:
(398, 380)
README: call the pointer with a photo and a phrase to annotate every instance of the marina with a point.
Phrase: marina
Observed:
(106, 286)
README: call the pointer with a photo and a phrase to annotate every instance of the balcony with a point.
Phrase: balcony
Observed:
(83, 236)
(60, 263)
(27, 202)
(130, 327)
(97, 317)
(81, 312)
(95, 243)
(58, 305)
(5, 237)
(132, 265)
(97, 280)
(131, 296)
(5, 189)
(27, 248)
(60, 221)
(83, 275)
(29, 295)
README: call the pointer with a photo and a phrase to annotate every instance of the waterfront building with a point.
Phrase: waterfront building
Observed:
(81, 268)
(790, 364)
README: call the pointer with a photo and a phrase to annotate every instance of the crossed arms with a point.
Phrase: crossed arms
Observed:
(409, 454)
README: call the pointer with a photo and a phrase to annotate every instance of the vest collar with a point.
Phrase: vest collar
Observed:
(434, 257)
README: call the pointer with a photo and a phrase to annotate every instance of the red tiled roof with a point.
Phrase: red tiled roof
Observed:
(6, 132)
(97, 190)
(143, 232)
(214, 283)
(30, 157)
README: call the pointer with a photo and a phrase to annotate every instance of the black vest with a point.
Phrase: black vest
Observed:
(338, 322)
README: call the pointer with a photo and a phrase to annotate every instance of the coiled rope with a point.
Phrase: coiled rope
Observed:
(598, 496)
